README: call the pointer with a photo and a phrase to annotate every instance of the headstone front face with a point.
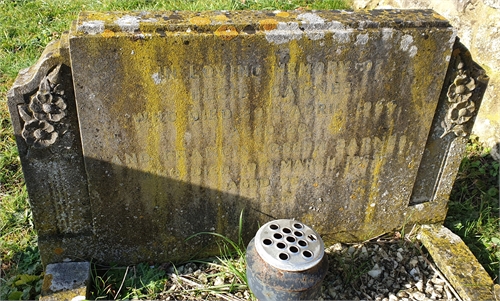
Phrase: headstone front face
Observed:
(185, 119)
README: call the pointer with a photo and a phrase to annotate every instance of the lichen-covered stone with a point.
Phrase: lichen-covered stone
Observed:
(477, 24)
(66, 281)
(457, 263)
(185, 119)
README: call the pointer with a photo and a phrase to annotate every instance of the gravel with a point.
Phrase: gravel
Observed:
(384, 270)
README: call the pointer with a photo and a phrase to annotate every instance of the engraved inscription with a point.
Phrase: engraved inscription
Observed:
(166, 73)
(192, 115)
(351, 158)
(231, 132)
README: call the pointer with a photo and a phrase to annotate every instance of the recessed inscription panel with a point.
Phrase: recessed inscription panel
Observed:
(181, 130)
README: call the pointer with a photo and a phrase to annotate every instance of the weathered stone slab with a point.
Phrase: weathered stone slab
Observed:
(185, 119)
(458, 264)
(66, 281)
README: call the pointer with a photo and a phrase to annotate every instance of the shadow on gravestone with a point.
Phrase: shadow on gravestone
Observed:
(142, 225)
(154, 218)
(138, 130)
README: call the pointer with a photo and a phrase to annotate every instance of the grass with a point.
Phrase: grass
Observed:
(27, 26)
(149, 282)
(473, 211)
(134, 282)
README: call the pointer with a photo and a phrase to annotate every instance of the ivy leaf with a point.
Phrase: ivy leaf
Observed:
(25, 279)
(496, 241)
(17, 295)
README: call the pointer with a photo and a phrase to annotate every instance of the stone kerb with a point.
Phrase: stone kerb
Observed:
(138, 130)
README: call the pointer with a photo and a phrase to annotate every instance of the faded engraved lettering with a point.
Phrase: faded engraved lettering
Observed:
(168, 73)
(193, 115)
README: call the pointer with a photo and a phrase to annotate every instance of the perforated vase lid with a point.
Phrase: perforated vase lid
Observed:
(289, 245)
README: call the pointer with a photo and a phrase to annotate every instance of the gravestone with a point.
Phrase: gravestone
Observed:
(138, 130)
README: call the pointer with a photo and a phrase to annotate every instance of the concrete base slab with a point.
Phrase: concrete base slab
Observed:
(457, 263)
(66, 281)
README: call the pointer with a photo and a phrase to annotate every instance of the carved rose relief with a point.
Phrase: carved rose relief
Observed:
(461, 107)
(39, 133)
(48, 103)
(43, 114)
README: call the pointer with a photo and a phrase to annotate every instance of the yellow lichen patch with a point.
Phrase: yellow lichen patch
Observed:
(58, 251)
(108, 33)
(199, 21)
(73, 294)
(283, 14)
(221, 18)
(438, 16)
(226, 32)
(373, 195)
(47, 283)
(268, 24)
(337, 123)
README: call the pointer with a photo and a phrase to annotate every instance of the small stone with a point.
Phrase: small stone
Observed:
(414, 261)
(375, 272)
(203, 278)
(336, 247)
(402, 294)
(420, 285)
(438, 281)
(383, 253)
(370, 283)
(389, 282)
(218, 281)
(392, 297)
(180, 270)
(419, 296)
(332, 292)
(436, 296)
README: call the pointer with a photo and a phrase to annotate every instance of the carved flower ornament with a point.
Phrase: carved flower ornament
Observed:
(48, 103)
(42, 115)
(461, 107)
(39, 133)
